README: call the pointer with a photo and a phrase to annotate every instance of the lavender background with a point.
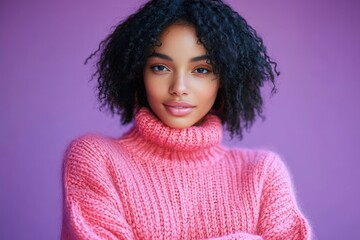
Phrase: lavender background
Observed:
(46, 101)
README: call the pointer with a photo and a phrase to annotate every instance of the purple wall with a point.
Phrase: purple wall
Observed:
(46, 101)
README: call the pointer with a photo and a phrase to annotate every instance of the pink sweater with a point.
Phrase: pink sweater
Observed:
(161, 183)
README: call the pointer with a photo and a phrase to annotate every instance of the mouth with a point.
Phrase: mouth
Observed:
(178, 109)
(178, 104)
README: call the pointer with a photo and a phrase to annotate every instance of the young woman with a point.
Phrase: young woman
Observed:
(180, 70)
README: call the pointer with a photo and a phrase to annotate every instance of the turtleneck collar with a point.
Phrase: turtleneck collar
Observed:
(207, 134)
(150, 141)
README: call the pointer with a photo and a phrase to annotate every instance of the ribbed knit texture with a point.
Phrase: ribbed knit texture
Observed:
(162, 183)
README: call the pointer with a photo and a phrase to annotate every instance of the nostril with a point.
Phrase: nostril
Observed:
(179, 88)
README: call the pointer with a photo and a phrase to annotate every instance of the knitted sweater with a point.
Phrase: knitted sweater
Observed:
(162, 183)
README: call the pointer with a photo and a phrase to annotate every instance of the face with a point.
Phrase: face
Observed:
(180, 85)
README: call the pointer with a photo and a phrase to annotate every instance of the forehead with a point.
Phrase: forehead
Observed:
(180, 38)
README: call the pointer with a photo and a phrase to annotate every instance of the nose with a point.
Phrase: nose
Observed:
(179, 86)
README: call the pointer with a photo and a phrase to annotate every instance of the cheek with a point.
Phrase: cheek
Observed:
(150, 84)
(156, 85)
(209, 91)
(153, 88)
(155, 91)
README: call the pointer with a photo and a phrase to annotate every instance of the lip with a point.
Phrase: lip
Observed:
(178, 108)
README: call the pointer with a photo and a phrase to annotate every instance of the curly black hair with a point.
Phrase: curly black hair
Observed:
(236, 53)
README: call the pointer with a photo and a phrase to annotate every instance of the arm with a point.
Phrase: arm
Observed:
(280, 217)
(238, 236)
(91, 208)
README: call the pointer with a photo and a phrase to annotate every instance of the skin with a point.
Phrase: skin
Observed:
(180, 85)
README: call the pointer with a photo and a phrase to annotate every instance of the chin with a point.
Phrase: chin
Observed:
(178, 124)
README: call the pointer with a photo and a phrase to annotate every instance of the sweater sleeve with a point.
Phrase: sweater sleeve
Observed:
(238, 236)
(91, 206)
(280, 217)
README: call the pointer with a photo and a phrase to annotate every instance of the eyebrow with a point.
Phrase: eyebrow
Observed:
(166, 57)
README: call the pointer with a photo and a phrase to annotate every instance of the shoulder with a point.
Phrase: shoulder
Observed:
(265, 171)
(253, 156)
(88, 167)
(262, 162)
(87, 144)
(265, 160)
(271, 164)
(90, 150)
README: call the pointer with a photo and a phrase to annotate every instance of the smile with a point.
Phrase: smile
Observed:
(178, 109)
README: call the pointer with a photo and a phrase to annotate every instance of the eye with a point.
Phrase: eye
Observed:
(159, 68)
(202, 70)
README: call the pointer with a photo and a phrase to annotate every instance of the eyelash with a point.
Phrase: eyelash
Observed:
(207, 71)
(153, 68)
(164, 68)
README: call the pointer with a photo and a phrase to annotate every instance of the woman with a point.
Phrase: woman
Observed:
(180, 70)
